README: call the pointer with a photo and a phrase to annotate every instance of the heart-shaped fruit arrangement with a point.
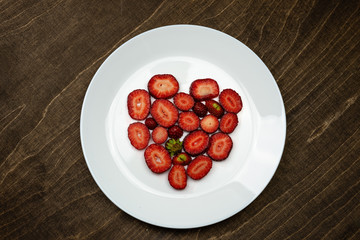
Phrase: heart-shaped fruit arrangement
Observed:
(198, 114)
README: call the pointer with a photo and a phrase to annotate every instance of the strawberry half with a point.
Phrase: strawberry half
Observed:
(164, 112)
(214, 108)
(209, 123)
(138, 103)
(199, 167)
(183, 101)
(139, 135)
(181, 159)
(157, 158)
(188, 121)
(204, 89)
(230, 100)
(177, 177)
(163, 86)
(196, 142)
(220, 146)
(228, 122)
(159, 135)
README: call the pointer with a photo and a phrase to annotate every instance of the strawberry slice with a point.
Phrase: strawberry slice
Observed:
(199, 167)
(188, 121)
(157, 158)
(138, 103)
(159, 135)
(204, 89)
(230, 100)
(209, 123)
(228, 122)
(139, 135)
(196, 142)
(220, 146)
(163, 86)
(177, 177)
(183, 101)
(164, 112)
(214, 108)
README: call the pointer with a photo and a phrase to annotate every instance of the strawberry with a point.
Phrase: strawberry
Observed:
(214, 108)
(199, 109)
(209, 124)
(183, 101)
(199, 167)
(196, 142)
(164, 112)
(157, 158)
(151, 123)
(159, 135)
(181, 159)
(177, 177)
(230, 100)
(204, 89)
(228, 122)
(188, 121)
(139, 135)
(163, 86)
(220, 146)
(138, 103)
(175, 132)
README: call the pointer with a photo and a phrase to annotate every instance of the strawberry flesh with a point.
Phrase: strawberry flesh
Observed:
(164, 112)
(220, 146)
(138, 103)
(188, 121)
(183, 101)
(230, 100)
(199, 167)
(196, 142)
(157, 158)
(228, 122)
(177, 177)
(204, 89)
(209, 123)
(163, 86)
(139, 135)
(159, 135)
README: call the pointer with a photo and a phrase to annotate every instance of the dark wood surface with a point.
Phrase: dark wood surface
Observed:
(50, 50)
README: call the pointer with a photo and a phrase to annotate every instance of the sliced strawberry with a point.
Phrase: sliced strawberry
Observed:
(163, 86)
(177, 177)
(230, 100)
(175, 132)
(209, 123)
(159, 135)
(188, 121)
(151, 123)
(181, 159)
(164, 112)
(204, 89)
(220, 146)
(139, 135)
(200, 109)
(138, 103)
(183, 101)
(214, 108)
(196, 142)
(228, 122)
(199, 167)
(157, 158)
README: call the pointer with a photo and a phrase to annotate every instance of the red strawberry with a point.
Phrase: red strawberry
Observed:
(196, 142)
(199, 167)
(157, 158)
(188, 121)
(181, 159)
(164, 112)
(228, 122)
(230, 100)
(220, 146)
(159, 135)
(177, 177)
(139, 135)
(199, 109)
(183, 101)
(151, 123)
(214, 108)
(204, 89)
(209, 124)
(175, 132)
(163, 86)
(138, 103)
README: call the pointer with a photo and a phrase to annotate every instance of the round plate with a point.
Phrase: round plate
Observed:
(188, 52)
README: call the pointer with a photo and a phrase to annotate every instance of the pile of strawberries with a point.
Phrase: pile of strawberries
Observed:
(197, 113)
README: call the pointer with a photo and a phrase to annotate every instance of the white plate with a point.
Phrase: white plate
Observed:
(188, 52)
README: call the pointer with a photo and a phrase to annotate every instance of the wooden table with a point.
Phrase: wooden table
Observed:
(49, 52)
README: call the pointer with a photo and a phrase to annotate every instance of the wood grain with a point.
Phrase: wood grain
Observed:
(50, 50)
